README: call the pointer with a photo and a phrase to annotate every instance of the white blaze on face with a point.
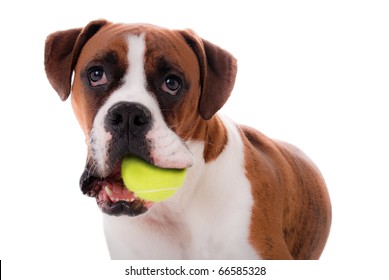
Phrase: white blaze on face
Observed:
(167, 149)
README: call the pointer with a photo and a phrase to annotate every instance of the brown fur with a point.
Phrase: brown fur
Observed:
(62, 49)
(218, 71)
(292, 212)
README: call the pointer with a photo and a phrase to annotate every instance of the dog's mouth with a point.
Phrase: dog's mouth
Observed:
(111, 195)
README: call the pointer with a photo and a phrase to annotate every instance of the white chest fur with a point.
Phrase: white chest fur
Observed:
(208, 218)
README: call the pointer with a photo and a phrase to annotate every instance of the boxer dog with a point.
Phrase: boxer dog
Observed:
(152, 92)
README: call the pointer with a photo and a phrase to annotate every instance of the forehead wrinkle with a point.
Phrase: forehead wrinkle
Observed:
(105, 56)
(110, 56)
(165, 65)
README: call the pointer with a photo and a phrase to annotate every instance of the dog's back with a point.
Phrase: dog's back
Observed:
(292, 207)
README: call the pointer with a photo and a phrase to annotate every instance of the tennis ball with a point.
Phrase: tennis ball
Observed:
(150, 182)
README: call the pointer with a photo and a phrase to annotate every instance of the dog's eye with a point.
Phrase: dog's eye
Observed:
(171, 85)
(97, 77)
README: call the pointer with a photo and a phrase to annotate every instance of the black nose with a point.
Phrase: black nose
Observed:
(128, 117)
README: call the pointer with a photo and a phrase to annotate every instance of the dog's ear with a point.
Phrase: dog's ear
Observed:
(217, 73)
(61, 54)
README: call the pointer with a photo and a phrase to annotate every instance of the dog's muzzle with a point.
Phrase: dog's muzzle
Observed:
(128, 124)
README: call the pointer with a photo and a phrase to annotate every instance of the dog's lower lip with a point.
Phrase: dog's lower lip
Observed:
(121, 208)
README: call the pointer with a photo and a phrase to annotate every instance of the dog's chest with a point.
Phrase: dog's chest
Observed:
(206, 231)
(208, 218)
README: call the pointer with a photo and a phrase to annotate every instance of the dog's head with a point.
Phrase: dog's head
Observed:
(140, 90)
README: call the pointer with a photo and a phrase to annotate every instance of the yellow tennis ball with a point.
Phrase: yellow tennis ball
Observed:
(150, 182)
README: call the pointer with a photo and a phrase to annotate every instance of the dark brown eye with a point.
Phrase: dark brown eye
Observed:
(97, 77)
(171, 85)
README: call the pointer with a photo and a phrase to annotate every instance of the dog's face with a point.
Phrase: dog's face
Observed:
(137, 90)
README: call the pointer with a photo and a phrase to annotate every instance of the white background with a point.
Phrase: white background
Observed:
(313, 74)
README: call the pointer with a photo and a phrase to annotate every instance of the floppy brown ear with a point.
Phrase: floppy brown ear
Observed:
(61, 54)
(217, 73)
